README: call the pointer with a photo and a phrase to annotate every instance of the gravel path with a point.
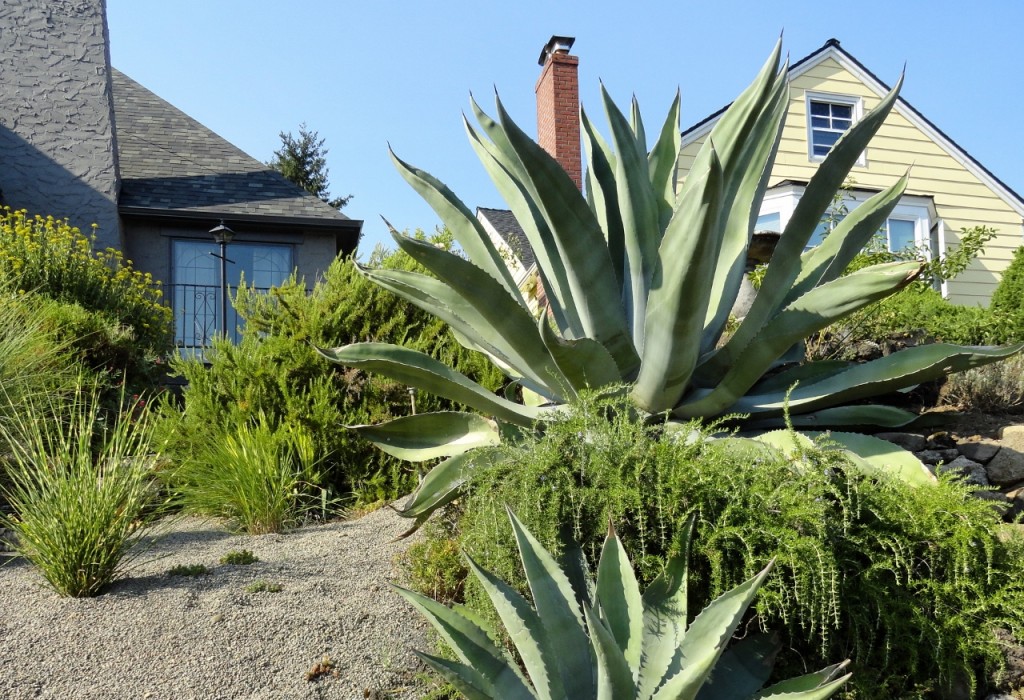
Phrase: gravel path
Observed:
(162, 637)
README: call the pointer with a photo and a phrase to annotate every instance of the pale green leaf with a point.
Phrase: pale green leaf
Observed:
(430, 435)
(556, 604)
(619, 601)
(424, 372)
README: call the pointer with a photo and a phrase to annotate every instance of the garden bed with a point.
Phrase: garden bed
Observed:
(153, 635)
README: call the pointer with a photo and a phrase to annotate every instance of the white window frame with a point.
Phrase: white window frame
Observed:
(782, 200)
(858, 111)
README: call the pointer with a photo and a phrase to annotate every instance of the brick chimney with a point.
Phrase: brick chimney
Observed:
(558, 106)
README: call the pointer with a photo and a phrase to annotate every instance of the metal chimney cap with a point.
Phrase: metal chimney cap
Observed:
(556, 44)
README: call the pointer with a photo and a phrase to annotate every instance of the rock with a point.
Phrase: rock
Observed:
(1012, 678)
(940, 441)
(982, 451)
(994, 496)
(908, 441)
(971, 472)
(1007, 467)
(936, 456)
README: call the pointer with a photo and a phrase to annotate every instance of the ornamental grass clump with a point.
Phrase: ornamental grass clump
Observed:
(261, 479)
(79, 488)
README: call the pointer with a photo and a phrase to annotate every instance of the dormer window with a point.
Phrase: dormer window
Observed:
(828, 118)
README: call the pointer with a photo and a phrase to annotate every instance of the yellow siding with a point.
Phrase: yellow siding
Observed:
(961, 199)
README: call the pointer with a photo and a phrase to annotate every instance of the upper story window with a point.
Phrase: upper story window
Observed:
(828, 118)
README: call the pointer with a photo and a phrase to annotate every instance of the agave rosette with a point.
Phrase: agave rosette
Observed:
(640, 277)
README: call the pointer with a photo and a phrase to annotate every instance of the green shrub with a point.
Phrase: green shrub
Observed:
(261, 478)
(34, 363)
(262, 586)
(274, 372)
(916, 314)
(907, 582)
(190, 570)
(996, 388)
(239, 557)
(1008, 299)
(54, 260)
(80, 490)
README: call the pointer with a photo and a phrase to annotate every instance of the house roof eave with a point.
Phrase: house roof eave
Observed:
(832, 49)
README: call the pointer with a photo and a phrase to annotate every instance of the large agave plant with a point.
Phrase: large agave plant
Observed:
(607, 641)
(640, 277)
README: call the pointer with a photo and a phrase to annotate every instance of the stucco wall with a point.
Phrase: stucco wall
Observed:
(57, 141)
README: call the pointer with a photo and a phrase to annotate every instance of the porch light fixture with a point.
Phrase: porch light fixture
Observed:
(223, 235)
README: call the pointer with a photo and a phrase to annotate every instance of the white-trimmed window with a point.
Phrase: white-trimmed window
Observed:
(828, 118)
(196, 285)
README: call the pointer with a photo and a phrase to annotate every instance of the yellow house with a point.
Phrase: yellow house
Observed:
(948, 189)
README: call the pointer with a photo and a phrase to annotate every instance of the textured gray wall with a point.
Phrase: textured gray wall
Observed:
(57, 142)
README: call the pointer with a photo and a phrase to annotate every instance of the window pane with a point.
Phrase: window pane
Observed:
(842, 111)
(901, 234)
(820, 108)
(769, 222)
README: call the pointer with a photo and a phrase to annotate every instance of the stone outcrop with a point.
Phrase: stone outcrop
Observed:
(981, 462)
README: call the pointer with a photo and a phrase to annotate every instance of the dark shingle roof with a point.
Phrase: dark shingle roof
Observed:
(169, 161)
(511, 232)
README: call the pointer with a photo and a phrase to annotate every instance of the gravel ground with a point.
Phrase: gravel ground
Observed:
(162, 637)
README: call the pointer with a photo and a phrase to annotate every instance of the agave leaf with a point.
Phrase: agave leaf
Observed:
(638, 208)
(468, 231)
(865, 452)
(665, 610)
(424, 372)
(503, 167)
(636, 124)
(527, 632)
(473, 647)
(745, 183)
(826, 261)
(876, 455)
(859, 415)
(585, 363)
(502, 320)
(556, 604)
(807, 371)
(811, 312)
(806, 683)
(580, 242)
(707, 638)
(620, 605)
(614, 675)
(662, 164)
(900, 369)
(603, 193)
(442, 484)
(678, 298)
(426, 436)
(743, 669)
(786, 260)
(465, 678)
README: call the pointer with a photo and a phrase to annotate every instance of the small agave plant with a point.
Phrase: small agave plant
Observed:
(609, 642)
(640, 277)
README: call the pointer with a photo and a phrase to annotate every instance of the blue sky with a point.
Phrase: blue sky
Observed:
(364, 74)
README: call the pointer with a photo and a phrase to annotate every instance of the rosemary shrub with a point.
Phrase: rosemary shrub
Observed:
(909, 583)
